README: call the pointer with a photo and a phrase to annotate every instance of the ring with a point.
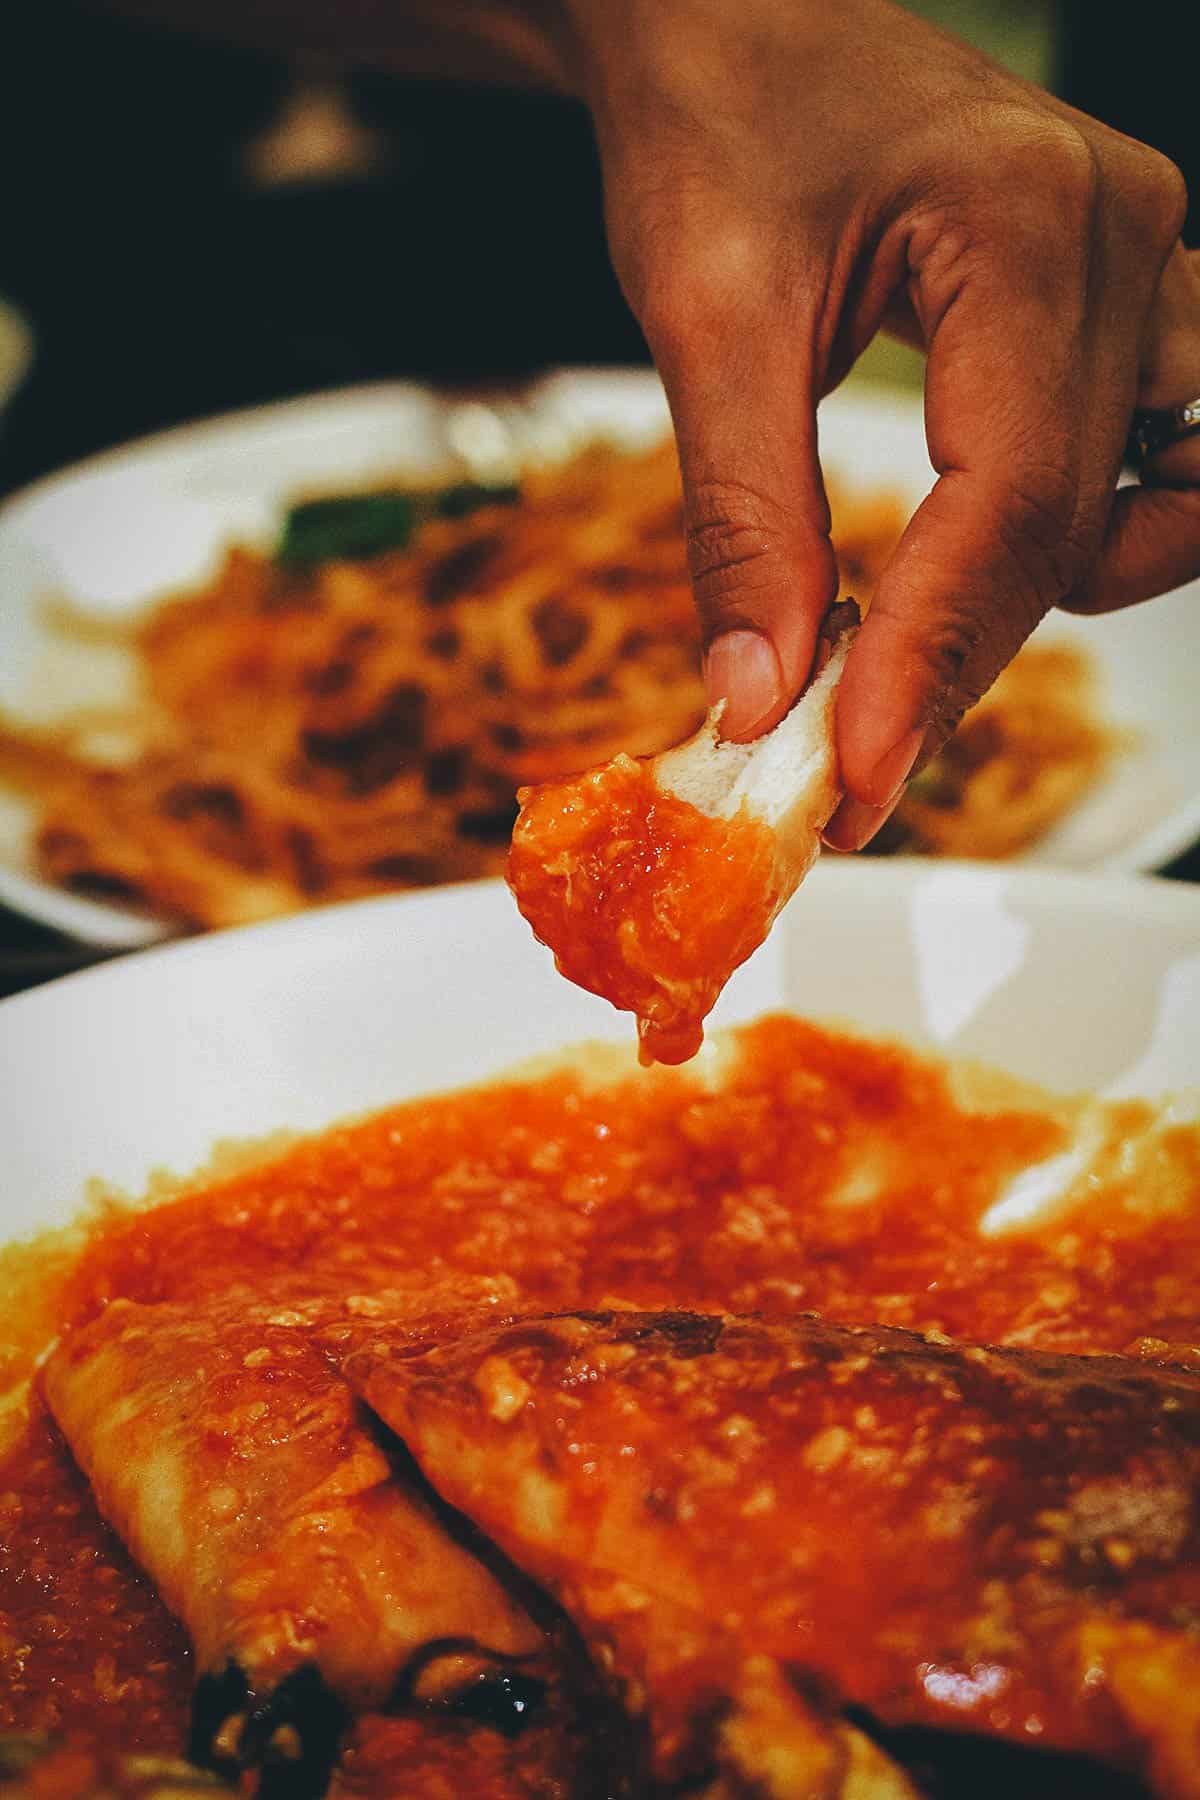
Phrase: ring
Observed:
(1155, 430)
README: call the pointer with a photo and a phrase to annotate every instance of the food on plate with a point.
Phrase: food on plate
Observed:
(242, 1476)
(653, 881)
(435, 1542)
(323, 723)
(866, 1513)
(355, 711)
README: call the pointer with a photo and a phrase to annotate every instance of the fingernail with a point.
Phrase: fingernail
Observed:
(855, 823)
(895, 766)
(743, 669)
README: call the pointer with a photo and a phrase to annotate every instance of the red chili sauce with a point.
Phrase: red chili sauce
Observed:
(643, 899)
(823, 1174)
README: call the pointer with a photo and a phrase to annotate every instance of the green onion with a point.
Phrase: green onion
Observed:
(346, 527)
(468, 496)
(351, 525)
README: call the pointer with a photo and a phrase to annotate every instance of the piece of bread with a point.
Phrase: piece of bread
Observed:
(653, 880)
(787, 779)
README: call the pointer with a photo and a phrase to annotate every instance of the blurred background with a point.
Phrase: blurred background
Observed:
(189, 227)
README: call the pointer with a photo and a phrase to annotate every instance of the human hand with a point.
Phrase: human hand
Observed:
(784, 179)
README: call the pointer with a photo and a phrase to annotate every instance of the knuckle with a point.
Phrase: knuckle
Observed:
(1036, 531)
(690, 292)
(951, 656)
(1142, 195)
(960, 656)
(1024, 201)
(1029, 185)
(1033, 557)
(734, 535)
(1066, 159)
(1048, 160)
(957, 666)
(1158, 197)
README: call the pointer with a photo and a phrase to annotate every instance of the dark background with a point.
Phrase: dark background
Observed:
(163, 283)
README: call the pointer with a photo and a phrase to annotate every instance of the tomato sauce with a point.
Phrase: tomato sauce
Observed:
(404, 1757)
(643, 899)
(822, 1173)
(86, 1644)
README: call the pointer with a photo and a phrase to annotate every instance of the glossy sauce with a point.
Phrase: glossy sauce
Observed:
(85, 1642)
(643, 899)
(822, 1174)
(931, 1530)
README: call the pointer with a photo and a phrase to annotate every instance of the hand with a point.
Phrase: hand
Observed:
(783, 180)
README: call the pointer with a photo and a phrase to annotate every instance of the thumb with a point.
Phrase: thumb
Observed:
(762, 565)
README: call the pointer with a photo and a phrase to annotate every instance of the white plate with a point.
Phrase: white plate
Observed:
(1077, 982)
(115, 532)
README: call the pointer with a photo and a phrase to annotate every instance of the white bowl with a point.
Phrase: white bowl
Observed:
(115, 532)
(1076, 982)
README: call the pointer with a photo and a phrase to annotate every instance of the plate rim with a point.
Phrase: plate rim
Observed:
(1156, 900)
(200, 1030)
(194, 430)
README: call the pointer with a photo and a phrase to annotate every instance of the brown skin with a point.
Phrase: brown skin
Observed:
(786, 178)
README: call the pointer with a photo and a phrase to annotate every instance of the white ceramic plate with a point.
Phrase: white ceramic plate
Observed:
(1078, 982)
(115, 532)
